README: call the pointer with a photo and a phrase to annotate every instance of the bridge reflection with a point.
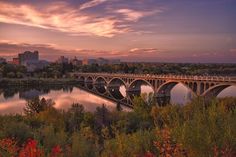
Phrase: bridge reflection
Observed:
(116, 96)
(109, 85)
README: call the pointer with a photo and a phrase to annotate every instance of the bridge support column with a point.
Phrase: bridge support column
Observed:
(198, 88)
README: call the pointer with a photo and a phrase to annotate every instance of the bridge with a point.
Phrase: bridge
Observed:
(109, 84)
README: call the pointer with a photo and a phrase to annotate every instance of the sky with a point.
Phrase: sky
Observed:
(198, 31)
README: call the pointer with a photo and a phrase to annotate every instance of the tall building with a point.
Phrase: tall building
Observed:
(30, 60)
(28, 57)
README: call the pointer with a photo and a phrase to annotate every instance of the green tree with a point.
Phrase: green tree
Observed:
(75, 116)
(37, 105)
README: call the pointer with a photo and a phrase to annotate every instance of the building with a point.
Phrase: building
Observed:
(15, 61)
(75, 61)
(27, 57)
(2, 60)
(32, 66)
(89, 61)
(30, 60)
(62, 59)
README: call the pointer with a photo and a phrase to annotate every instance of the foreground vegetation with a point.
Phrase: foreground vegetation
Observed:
(201, 128)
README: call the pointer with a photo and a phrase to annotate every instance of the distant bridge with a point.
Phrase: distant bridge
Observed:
(108, 85)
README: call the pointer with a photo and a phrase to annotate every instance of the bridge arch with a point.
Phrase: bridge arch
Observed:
(134, 88)
(139, 82)
(168, 86)
(89, 82)
(100, 84)
(215, 90)
(81, 80)
(114, 86)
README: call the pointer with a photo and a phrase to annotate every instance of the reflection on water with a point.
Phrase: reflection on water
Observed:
(180, 94)
(230, 91)
(63, 98)
(13, 100)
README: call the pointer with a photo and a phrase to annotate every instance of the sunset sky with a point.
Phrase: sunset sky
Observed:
(131, 30)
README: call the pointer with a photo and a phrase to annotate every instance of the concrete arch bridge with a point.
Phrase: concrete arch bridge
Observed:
(109, 84)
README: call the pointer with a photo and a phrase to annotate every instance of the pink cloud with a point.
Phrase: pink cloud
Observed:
(133, 15)
(91, 4)
(51, 51)
(60, 17)
(233, 50)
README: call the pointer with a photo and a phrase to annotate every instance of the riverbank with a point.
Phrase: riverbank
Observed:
(36, 81)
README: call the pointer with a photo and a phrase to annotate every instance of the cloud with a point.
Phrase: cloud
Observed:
(73, 20)
(143, 50)
(130, 15)
(61, 17)
(232, 50)
(133, 15)
(51, 52)
(91, 4)
(10, 49)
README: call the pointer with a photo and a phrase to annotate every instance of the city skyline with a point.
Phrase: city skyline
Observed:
(137, 30)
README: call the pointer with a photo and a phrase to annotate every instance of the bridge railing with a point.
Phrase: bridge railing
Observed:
(170, 76)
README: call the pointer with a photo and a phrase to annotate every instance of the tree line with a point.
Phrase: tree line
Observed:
(55, 70)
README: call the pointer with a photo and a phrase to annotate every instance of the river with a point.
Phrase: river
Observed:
(13, 100)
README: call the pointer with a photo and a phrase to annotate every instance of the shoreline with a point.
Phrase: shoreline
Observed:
(36, 81)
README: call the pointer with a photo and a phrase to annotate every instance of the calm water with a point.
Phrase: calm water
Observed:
(13, 100)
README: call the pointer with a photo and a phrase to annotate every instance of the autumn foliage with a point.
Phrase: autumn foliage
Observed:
(201, 128)
(8, 146)
(29, 149)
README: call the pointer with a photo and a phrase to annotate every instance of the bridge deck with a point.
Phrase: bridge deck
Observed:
(172, 77)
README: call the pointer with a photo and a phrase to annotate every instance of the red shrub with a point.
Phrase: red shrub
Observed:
(168, 147)
(31, 150)
(56, 151)
(9, 146)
